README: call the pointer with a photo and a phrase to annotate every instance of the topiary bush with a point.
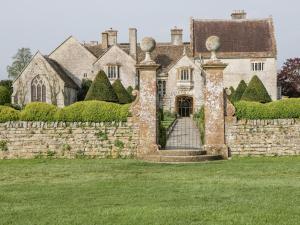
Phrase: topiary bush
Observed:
(85, 86)
(121, 92)
(256, 92)
(238, 93)
(5, 95)
(101, 89)
(39, 111)
(231, 93)
(8, 114)
(282, 109)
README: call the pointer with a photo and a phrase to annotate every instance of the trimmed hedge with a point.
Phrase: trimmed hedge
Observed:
(5, 95)
(38, 111)
(8, 114)
(256, 92)
(282, 109)
(101, 89)
(121, 92)
(238, 93)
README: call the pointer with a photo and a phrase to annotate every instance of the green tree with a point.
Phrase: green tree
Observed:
(101, 89)
(5, 95)
(129, 91)
(20, 60)
(237, 95)
(121, 92)
(85, 86)
(256, 92)
(7, 84)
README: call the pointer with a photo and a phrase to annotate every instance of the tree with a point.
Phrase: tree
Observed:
(238, 93)
(101, 89)
(256, 92)
(85, 86)
(20, 60)
(121, 92)
(5, 95)
(289, 78)
(7, 84)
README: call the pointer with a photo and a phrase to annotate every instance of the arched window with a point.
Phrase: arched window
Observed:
(38, 90)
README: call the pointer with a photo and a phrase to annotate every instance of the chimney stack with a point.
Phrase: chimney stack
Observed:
(104, 40)
(133, 43)
(176, 36)
(238, 15)
(112, 37)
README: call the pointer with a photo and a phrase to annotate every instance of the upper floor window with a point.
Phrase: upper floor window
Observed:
(113, 72)
(257, 66)
(185, 74)
(38, 90)
(161, 88)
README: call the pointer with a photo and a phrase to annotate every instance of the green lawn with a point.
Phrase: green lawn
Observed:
(85, 192)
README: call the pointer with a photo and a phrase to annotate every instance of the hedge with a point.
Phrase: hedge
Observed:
(5, 95)
(238, 93)
(282, 109)
(121, 92)
(8, 114)
(38, 111)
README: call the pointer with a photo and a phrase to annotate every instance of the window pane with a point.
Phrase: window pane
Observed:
(39, 93)
(43, 93)
(33, 93)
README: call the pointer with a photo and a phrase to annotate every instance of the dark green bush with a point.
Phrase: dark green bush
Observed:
(282, 109)
(5, 95)
(121, 92)
(256, 92)
(38, 111)
(231, 93)
(199, 117)
(8, 114)
(7, 84)
(101, 89)
(162, 138)
(85, 86)
(129, 91)
(238, 93)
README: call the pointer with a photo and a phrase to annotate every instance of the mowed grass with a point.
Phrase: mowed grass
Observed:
(61, 192)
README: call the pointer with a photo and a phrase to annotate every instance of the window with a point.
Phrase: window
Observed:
(38, 90)
(113, 72)
(185, 74)
(257, 66)
(161, 88)
(85, 75)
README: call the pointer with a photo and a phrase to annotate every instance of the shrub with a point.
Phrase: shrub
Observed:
(8, 114)
(231, 93)
(5, 95)
(93, 111)
(162, 138)
(121, 92)
(282, 109)
(85, 86)
(101, 89)
(200, 121)
(256, 92)
(39, 111)
(7, 84)
(129, 91)
(237, 95)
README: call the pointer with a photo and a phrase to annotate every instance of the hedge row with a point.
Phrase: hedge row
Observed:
(87, 111)
(282, 109)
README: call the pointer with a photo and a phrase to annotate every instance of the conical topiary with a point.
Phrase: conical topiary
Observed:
(237, 95)
(101, 89)
(130, 90)
(121, 92)
(256, 92)
(231, 93)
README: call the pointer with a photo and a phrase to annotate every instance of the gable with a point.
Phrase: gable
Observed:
(184, 61)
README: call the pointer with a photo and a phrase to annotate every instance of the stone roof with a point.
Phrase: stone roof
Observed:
(239, 38)
(62, 73)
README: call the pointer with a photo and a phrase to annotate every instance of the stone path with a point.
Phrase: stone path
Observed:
(185, 135)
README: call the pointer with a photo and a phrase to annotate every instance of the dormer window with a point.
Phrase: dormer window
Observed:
(113, 72)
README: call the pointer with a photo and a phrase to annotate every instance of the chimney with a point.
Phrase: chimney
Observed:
(238, 15)
(133, 42)
(105, 40)
(112, 37)
(176, 36)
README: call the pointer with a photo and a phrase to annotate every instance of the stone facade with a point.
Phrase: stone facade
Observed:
(67, 140)
(278, 137)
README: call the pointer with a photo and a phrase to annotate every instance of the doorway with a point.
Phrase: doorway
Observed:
(184, 106)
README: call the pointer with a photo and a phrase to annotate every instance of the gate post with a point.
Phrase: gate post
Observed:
(148, 122)
(214, 102)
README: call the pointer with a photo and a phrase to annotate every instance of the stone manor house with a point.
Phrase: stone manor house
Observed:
(248, 46)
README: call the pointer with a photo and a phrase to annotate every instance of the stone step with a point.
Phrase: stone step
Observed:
(181, 152)
(180, 159)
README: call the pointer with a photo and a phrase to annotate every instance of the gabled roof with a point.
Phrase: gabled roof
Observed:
(239, 37)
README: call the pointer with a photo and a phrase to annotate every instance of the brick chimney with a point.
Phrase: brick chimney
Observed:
(176, 36)
(238, 15)
(104, 40)
(133, 43)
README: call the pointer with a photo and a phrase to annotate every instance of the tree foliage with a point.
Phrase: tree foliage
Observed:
(289, 78)
(121, 92)
(20, 60)
(7, 84)
(85, 86)
(5, 95)
(101, 89)
(238, 93)
(256, 92)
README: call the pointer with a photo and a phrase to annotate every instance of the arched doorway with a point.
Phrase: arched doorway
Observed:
(184, 106)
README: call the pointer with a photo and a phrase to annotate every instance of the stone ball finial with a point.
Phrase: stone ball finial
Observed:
(148, 44)
(213, 44)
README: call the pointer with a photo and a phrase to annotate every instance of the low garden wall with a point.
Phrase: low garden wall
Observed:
(68, 140)
(270, 137)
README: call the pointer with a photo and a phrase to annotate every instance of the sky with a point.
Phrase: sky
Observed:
(44, 24)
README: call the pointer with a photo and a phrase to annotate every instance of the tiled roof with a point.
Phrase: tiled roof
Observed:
(239, 38)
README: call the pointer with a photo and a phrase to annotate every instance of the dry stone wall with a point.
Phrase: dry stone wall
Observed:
(67, 140)
(263, 137)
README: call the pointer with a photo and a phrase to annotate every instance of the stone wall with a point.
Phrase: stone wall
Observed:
(67, 140)
(263, 137)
